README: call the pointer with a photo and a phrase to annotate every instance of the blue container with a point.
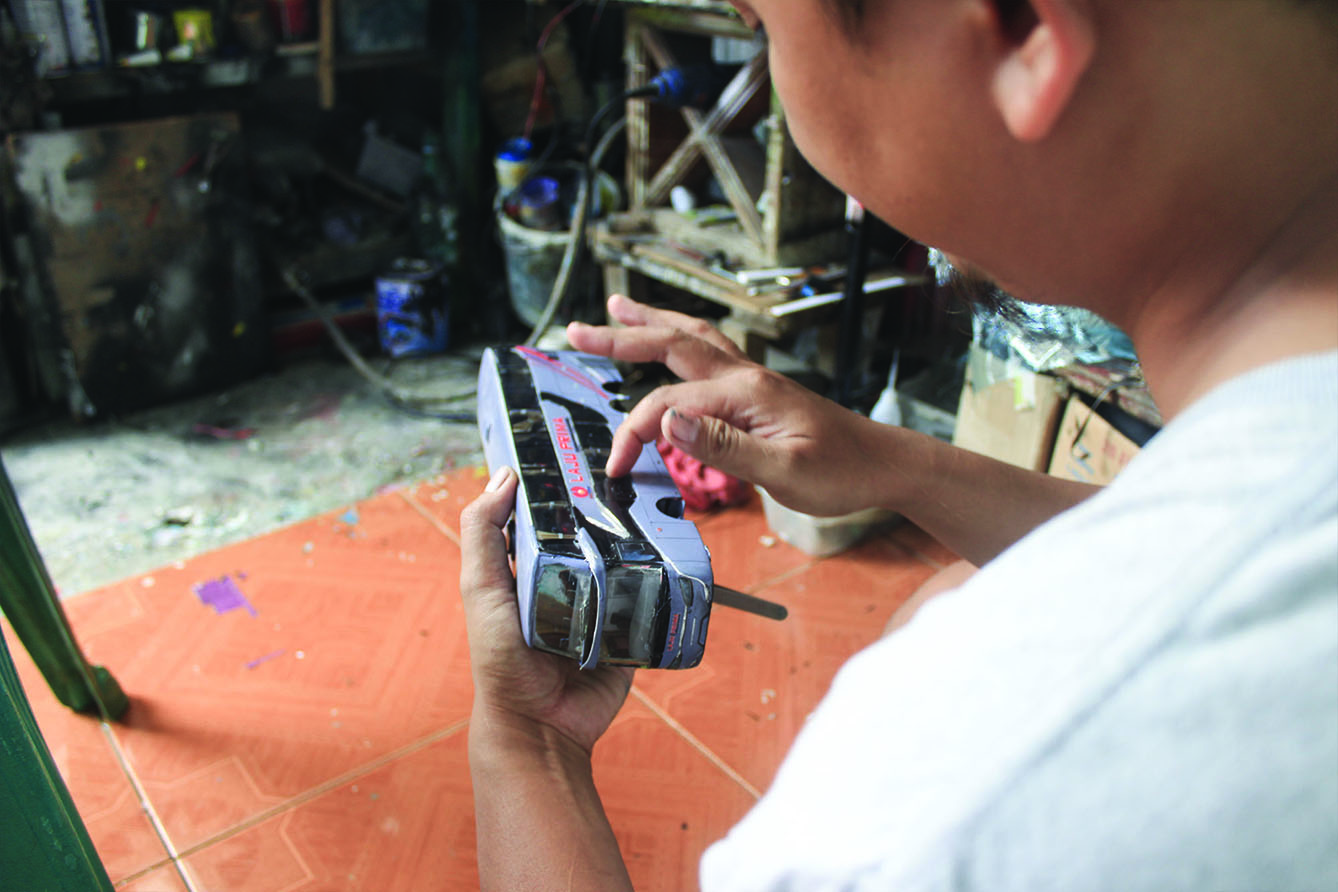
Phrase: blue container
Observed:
(539, 204)
(513, 163)
(411, 309)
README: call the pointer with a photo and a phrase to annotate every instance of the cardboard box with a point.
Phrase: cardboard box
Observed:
(1012, 418)
(1088, 449)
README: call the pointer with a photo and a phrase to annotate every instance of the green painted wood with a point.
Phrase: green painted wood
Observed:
(44, 846)
(28, 600)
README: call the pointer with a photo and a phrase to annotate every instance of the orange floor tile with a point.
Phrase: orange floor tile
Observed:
(300, 701)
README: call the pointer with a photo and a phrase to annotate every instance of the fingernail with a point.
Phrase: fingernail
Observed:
(498, 480)
(683, 428)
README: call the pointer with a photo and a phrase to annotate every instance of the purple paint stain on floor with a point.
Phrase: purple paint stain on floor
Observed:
(224, 596)
(259, 661)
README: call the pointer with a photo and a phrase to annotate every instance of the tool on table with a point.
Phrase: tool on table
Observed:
(799, 305)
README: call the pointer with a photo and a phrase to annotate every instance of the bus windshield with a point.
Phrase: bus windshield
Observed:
(634, 594)
(563, 609)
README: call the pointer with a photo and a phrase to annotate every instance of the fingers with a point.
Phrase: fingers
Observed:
(631, 313)
(687, 356)
(722, 446)
(643, 423)
(710, 421)
(691, 348)
(485, 571)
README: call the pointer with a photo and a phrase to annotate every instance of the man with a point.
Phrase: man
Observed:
(1139, 689)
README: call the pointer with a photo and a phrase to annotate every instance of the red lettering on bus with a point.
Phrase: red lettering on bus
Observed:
(563, 434)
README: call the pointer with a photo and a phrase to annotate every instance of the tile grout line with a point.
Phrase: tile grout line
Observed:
(321, 789)
(783, 576)
(150, 812)
(891, 536)
(430, 518)
(921, 556)
(143, 872)
(695, 742)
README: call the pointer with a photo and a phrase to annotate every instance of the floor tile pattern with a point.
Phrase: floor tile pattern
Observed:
(307, 730)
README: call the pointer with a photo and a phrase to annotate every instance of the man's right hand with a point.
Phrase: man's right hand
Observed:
(811, 454)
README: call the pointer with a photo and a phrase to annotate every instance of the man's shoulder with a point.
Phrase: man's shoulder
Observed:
(1273, 411)
(1204, 553)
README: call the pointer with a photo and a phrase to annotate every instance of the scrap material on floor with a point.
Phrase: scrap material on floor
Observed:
(109, 500)
(300, 702)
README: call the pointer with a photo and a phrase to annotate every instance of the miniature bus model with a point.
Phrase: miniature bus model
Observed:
(607, 569)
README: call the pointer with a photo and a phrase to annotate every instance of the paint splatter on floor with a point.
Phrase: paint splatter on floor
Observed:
(224, 596)
(260, 661)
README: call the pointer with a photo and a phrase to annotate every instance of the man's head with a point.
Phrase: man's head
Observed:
(1074, 150)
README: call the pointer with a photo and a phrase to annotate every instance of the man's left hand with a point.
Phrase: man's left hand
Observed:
(515, 686)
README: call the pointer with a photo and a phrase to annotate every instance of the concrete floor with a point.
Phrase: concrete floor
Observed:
(115, 499)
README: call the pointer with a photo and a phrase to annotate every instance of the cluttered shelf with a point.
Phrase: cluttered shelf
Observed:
(106, 49)
(197, 174)
(296, 61)
(715, 262)
(165, 78)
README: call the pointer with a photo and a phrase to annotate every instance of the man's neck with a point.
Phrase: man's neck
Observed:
(1283, 304)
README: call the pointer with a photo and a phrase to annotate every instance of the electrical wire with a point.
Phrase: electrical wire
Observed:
(591, 36)
(541, 86)
(660, 87)
(571, 256)
(543, 76)
(598, 17)
(410, 403)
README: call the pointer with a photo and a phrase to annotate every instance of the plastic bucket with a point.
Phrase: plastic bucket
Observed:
(534, 257)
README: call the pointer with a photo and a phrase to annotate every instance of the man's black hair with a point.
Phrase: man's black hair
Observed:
(851, 12)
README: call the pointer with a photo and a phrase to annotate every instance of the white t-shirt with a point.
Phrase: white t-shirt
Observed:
(1142, 694)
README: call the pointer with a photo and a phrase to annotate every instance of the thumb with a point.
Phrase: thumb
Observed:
(720, 445)
(485, 569)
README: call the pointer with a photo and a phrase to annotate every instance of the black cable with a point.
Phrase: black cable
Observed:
(573, 255)
(411, 410)
(614, 104)
(591, 36)
(676, 87)
(588, 143)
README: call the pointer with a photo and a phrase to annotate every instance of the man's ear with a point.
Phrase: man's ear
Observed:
(1039, 70)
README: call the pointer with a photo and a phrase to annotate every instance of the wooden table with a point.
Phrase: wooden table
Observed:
(663, 246)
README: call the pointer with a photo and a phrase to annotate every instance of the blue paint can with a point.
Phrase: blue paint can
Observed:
(513, 163)
(539, 205)
(411, 309)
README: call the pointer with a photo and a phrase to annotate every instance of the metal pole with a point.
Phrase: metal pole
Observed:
(29, 602)
(852, 307)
